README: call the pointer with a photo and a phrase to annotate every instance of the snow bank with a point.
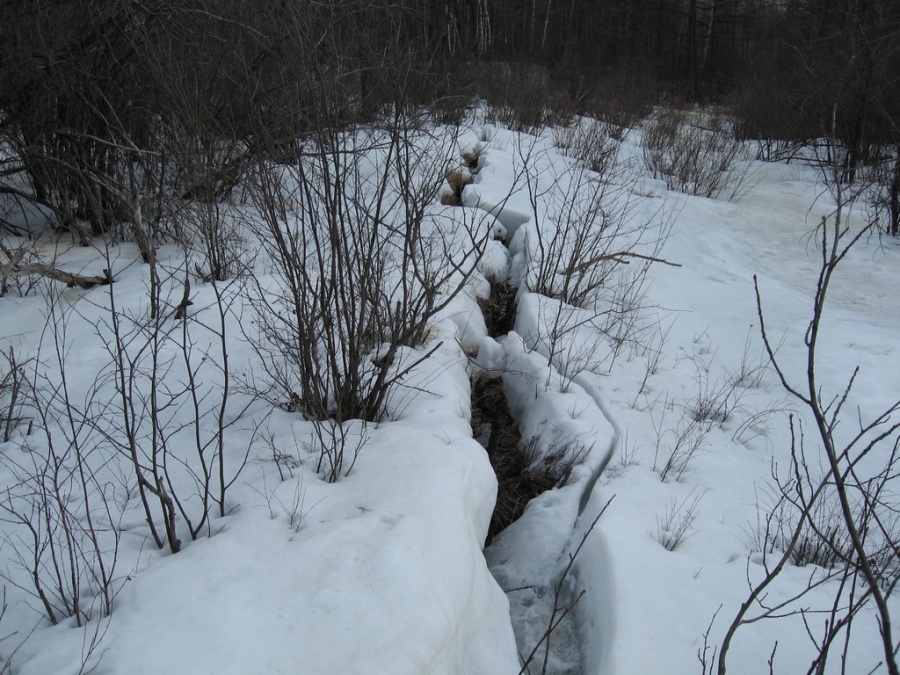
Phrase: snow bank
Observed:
(381, 572)
(383, 575)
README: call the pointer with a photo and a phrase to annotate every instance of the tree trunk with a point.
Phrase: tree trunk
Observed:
(894, 225)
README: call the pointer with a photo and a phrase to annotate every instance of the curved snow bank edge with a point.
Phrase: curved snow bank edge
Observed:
(384, 572)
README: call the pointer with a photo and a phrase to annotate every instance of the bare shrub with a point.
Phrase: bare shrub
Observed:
(822, 539)
(203, 345)
(65, 533)
(294, 508)
(64, 537)
(686, 439)
(15, 391)
(752, 370)
(213, 238)
(674, 526)
(620, 102)
(587, 254)
(697, 154)
(594, 143)
(843, 496)
(587, 232)
(524, 97)
(165, 361)
(716, 399)
(652, 350)
(338, 446)
(365, 259)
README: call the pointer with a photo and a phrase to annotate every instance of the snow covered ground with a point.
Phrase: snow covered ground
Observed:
(383, 571)
(708, 332)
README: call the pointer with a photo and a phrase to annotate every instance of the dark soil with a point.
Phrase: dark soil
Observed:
(499, 309)
(498, 432)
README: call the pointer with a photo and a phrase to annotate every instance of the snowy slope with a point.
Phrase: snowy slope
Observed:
(383, 571)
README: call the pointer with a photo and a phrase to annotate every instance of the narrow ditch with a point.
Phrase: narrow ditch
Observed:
(499, 309)
(526, 563)
(493, 425)
(498, 431)
(533, 609)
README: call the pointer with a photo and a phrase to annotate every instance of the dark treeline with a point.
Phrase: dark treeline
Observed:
(106, 100)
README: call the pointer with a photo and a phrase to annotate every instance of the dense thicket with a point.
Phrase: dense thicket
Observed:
(106, 102)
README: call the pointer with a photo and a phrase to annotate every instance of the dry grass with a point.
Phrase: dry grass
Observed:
(499, 309)
(517, 483)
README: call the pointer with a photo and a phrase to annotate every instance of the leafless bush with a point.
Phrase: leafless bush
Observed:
(338, 446)
(587, 232)
(524, 97)
(801, 521)
(164, 402)
(674, 526)
(619, 104)
(555, 462)
(869, 175)
(587, 254)
(715, 400)
(822, 538)
(212, 234)
(626, 456)
(594, 143)
(294, 508)
(752, 370)
(63, 537)
(364, 261)
(686, 439)
(65, 534)
(213, 407)
(653, 350)
(15, 391)
(697, 154)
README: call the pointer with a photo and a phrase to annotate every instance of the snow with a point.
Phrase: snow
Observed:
(666, 600)
(384, 572)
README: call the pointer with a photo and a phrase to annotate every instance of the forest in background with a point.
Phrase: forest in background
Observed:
(307, 155)
(105, 100)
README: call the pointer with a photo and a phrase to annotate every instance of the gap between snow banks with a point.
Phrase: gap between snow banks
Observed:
(563, 424)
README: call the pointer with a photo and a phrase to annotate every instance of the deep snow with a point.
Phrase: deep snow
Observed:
(383, 572)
